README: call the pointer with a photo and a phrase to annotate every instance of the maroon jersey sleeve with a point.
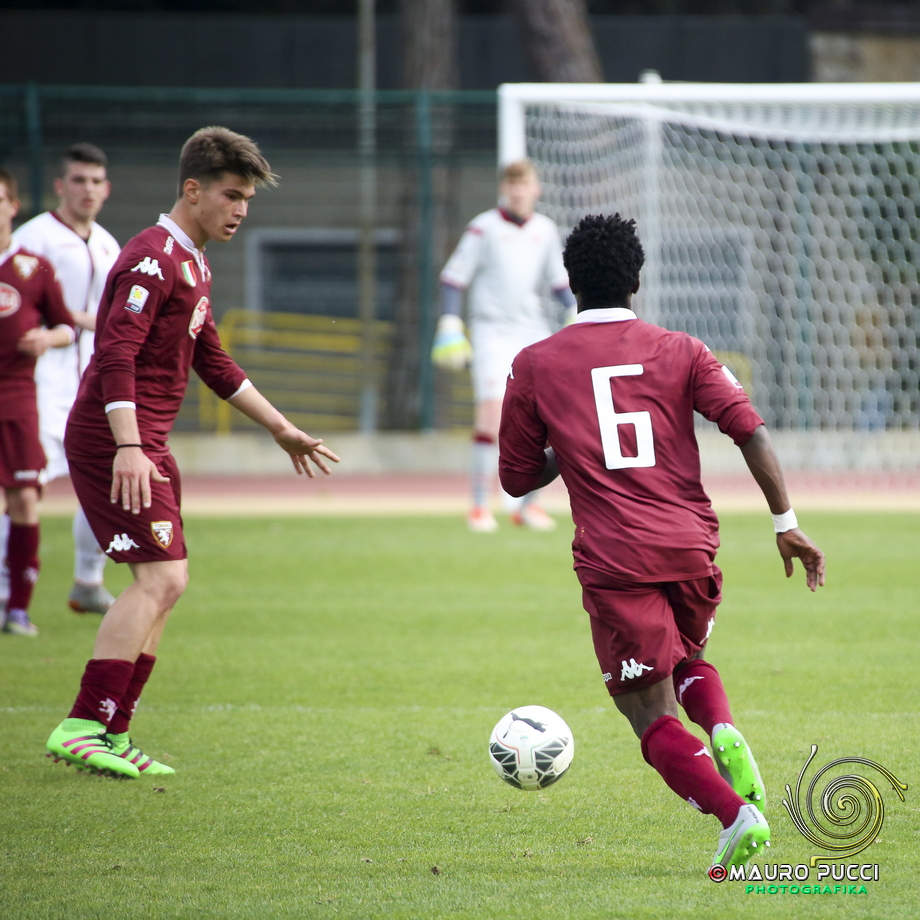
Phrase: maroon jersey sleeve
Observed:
(51, 305)
(134, 297)
(213, 365)
(719, 397)
(522, 434)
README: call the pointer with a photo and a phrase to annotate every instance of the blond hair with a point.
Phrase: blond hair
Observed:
(518, 171)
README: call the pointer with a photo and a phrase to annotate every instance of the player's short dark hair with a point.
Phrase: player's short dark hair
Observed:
(12, 186)
(210, 152)
(603, 257)
(83, 153)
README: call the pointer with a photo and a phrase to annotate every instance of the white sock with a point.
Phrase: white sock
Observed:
(4, 571)
(484, 466)
(89, 560)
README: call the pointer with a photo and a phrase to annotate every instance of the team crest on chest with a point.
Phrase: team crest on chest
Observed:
(25, 266)
(9, 300)
(199, 315)
(163, 531)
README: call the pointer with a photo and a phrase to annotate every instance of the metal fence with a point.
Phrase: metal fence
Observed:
(431, 161)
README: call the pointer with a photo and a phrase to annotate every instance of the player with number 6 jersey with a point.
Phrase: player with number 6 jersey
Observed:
(615, 398)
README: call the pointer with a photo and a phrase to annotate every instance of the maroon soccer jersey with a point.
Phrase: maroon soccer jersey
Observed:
(154, 324)
(614, 396)
(30, 297)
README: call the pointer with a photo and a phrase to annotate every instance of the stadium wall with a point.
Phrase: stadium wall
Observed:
(158, 49)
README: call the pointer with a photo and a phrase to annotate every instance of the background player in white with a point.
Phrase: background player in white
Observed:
(82, 253)
(504, 260)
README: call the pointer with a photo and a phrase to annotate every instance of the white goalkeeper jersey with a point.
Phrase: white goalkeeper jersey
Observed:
(505, 266)
(82, 268)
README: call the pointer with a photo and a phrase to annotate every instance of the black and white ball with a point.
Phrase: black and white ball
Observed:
(531, 747)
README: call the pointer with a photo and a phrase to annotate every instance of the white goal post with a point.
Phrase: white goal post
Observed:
(781, 225)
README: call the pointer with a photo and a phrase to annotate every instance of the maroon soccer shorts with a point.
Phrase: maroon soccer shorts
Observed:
(154, 535)
(642, 632)
(21, 456)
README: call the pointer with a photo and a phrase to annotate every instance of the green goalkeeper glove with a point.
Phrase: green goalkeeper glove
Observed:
(452, 349)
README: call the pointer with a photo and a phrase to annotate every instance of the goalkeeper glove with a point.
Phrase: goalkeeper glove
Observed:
(452, 349)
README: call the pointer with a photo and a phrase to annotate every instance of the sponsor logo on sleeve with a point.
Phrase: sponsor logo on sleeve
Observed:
(148, 266)
(163, 531)
(10, 300)
(731, 377)
(199, 315)
(137, 298)
(25, 266)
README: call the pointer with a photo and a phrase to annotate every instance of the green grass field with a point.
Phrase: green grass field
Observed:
(326, 689)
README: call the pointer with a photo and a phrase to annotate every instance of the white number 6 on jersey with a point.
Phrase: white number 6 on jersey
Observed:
(609, 420)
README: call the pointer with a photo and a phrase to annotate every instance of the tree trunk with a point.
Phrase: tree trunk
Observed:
(430, 44)
(557, 40)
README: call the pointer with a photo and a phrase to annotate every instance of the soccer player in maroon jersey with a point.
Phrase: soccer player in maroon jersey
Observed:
(33, 319)
(614, 398)
(154, 325)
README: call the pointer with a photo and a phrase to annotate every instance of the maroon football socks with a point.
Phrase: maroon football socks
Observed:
(128, 704)
(22, 561)
(686, 767)
(104, 683)
(699, 690)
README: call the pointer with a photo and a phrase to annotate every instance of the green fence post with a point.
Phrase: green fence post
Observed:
(34, 134)
(425, 258)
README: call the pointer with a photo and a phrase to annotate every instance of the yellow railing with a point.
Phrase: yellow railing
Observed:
(313, 368)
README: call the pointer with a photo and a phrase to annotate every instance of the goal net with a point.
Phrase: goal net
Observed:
(780, 225)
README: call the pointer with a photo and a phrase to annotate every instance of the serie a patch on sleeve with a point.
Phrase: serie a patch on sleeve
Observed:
(137, 298)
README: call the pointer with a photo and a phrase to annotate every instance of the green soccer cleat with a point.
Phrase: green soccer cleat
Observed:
(85, 745)
(749, 834)
(737, 766)
(122, 747)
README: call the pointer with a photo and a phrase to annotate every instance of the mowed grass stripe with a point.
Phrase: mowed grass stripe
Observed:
(326, 689)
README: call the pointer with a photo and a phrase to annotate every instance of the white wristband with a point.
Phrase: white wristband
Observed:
(785, 521)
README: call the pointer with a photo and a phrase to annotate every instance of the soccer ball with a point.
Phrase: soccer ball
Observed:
(531, 747)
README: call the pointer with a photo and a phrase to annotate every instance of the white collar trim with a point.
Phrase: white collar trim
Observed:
(605, 315)
(182, 238)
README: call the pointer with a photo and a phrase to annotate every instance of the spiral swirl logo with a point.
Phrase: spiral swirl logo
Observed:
(851, 809)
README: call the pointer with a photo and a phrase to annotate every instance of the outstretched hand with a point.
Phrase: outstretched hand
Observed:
(302, 448)
(794, 544)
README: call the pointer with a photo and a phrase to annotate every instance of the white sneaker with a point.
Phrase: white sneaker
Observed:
(481, 520)
(738, 842)
(533, 517)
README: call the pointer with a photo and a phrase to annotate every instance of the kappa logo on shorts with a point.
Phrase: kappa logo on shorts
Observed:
(148, 266)
(121, 543)
(199, 315)
(10, 300)
(163, 531)
(25, 266)
(21, 475)
(632, 669)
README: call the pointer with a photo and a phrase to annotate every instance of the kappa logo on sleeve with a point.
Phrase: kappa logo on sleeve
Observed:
(137, 298)
(148, 266)
(25, 266)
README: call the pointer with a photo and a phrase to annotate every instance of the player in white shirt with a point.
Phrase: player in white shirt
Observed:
(82, 253)
(504, 260)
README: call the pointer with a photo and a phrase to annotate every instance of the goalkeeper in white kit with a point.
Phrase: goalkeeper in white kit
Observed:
(503, 260)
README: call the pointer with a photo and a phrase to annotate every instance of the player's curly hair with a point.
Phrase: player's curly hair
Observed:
(209, 152)
(603, 257)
